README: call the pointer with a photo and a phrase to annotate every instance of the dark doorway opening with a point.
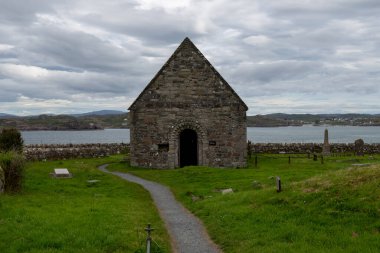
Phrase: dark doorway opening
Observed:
(188, 148)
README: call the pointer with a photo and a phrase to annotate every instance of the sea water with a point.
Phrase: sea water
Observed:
(302, 134)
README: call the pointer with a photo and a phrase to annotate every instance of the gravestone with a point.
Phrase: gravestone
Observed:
(359, 147)
(278, 184)
(2, 180)
(326, 145)
(62, 173)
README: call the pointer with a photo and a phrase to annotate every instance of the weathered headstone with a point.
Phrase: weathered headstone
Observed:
(62, 173)
(326, 145)
(249, 149)
(2, 180)
(278, 184)
(359, 147)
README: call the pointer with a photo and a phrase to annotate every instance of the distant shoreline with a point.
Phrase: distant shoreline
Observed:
(90, 121)
(117, 128)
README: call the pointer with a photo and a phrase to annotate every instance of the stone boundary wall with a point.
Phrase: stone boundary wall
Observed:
(275, 148)
(66, 151)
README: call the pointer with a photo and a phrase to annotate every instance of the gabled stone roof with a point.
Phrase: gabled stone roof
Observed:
(188, 42)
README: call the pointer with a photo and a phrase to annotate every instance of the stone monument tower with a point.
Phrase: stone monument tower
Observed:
(326, 145)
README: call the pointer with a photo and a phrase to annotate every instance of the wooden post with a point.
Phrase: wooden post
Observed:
(322, 159)
(315, 157)
(278, 183)
(289, 160)
(255, 161)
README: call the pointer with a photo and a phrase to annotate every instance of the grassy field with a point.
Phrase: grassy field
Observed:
(330, 207)
(73, 215)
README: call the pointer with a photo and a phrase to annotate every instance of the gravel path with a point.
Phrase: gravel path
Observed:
(186, 231)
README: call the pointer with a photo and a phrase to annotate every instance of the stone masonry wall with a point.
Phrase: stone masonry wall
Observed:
(275, 148)
(59, 152)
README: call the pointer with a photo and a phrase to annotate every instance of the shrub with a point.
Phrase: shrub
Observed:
(10, 139)
(13, 166)
(2, 181)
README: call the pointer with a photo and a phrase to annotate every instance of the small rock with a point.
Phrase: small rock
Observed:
(195, 198)
(354, 234)
(360, 164)
(256, 185)
(92, 181)
(227, 191)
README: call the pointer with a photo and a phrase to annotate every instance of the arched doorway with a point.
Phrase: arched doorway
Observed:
(188, 148)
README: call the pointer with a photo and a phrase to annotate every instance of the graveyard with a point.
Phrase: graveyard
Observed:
(329, 205)
(89, 212)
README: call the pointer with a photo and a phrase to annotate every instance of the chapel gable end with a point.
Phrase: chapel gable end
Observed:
(188, 79)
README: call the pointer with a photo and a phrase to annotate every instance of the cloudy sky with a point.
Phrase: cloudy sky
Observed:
(291, 56)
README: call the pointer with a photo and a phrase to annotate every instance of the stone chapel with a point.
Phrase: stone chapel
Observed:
(188, 115)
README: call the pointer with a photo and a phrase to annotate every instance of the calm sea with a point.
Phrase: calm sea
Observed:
(304, 134)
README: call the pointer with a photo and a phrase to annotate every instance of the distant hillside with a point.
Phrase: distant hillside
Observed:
(118, 119)
(5, 115)
(66, 122)
(99, 113)
(283, 119)
(267, 121)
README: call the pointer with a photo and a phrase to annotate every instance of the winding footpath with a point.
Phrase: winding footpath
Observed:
(186, 231)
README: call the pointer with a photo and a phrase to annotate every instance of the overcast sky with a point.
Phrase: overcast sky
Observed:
(291, 56)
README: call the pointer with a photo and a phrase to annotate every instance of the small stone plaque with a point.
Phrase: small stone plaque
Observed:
(62, 172)
(212, 143)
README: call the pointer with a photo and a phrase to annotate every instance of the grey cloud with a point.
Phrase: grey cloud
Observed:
(15, 13)
(280, 70)
(312, 52)
(76, 50)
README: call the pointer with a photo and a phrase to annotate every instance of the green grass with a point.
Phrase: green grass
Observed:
(72, 215)
(326, 207)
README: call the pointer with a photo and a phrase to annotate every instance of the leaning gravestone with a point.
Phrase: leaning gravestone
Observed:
(359, 147)
(2, 180)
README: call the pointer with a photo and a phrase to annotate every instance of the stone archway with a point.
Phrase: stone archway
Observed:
(174, 156)
(188, 148)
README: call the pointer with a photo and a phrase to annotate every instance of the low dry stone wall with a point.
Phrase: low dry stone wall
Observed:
(59, 152)
(275, 148)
